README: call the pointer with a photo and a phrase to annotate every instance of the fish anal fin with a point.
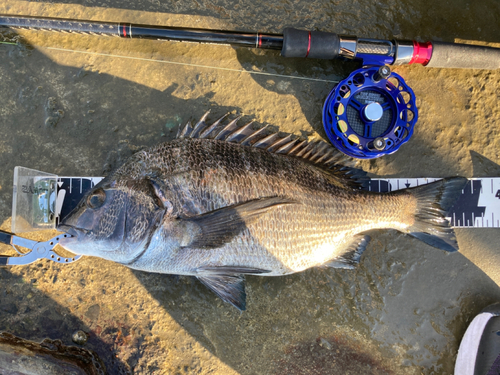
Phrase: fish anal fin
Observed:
(351, 253)
(221, 226)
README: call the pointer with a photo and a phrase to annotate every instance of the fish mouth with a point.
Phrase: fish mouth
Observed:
(71, 230)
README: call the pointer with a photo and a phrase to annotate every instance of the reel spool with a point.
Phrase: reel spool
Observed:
(370, 114)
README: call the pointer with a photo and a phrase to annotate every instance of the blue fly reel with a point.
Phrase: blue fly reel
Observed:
(370, 114)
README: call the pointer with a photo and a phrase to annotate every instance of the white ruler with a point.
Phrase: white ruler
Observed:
(477, 207)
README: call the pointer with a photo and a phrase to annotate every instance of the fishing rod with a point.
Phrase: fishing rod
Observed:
(369, 114)
(292, 43)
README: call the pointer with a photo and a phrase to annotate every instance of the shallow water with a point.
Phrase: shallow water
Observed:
(402, 311)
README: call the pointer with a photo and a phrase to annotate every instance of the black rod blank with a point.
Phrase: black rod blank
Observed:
(127, 30)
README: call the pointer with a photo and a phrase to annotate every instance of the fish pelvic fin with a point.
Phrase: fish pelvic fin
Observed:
(433, 202)
(228, 283)
(351, 255)
(230, 288)
(319, 153)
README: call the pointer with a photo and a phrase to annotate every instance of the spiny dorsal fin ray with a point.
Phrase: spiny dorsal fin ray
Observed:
(319, 153)
(287, 146)
(207, 133)
(241, 133)
(295, 150)
(305, 153)
(325, 156)
(277, 145)
(185, 130)
(199, 126)
(252, 137)
(266, 141)
(228, 129)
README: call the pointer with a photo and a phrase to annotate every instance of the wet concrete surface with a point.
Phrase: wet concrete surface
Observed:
(79, 105)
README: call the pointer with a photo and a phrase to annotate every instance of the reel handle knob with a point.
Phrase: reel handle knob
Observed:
(377, 144)
(383, 73)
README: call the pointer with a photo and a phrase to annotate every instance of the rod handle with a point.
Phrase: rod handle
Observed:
(466, 56)
(313, 44)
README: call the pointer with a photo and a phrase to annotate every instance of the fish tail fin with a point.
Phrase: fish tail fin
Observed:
(433, 202)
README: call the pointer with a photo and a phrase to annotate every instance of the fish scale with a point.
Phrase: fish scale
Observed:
(263, 205)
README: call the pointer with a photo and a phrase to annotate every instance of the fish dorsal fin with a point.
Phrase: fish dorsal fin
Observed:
(318, 153)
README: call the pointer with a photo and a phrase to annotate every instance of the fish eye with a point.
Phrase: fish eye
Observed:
(96, 199)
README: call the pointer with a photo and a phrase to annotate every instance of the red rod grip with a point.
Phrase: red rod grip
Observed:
(422, 53)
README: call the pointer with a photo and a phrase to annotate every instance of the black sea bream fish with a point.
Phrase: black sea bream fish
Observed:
(223, 201)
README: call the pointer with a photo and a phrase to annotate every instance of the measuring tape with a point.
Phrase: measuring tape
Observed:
(477, 207)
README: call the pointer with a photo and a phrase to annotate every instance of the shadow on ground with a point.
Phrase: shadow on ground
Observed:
(27, 312)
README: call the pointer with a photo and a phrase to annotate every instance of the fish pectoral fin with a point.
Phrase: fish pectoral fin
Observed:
(221, 226)
(351, 253)
(228, 283)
